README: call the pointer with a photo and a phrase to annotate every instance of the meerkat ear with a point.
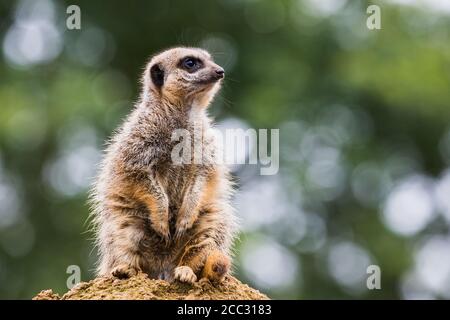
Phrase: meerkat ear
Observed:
(157, 75)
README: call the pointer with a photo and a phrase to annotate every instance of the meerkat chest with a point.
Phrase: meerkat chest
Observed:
(192, 153)
(193, 147)
(180, 175)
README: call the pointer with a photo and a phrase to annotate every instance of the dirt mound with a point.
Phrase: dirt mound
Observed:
(140, 287)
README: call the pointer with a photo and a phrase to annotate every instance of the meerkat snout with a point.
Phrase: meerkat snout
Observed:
(220, 73)
(183, 76)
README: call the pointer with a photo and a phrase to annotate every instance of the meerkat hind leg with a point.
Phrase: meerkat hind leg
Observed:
(217, 265)
(121, 256)
(124, 271)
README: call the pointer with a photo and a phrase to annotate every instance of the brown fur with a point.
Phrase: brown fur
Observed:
(170, 221)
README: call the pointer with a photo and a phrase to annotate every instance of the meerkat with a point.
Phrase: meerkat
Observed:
(151, 215)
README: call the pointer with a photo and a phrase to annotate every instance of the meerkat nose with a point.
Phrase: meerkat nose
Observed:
(220, 72)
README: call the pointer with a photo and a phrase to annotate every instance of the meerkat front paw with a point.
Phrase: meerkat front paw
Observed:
(124, 271)
(159, 216)
(160, 223)
(184, 222)
(185, 274)
(162, 228)
(182, 226)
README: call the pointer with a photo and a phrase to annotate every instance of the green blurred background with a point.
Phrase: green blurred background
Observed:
(364, 119)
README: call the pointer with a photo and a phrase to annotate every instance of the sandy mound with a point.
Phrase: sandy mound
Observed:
(141, 287)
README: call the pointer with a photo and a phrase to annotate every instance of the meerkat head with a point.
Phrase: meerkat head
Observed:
(183, 76)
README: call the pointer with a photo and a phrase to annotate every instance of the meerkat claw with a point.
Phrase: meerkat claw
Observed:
(163, 231)
(185, 274)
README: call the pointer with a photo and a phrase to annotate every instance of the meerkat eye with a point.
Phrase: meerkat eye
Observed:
(191, 64)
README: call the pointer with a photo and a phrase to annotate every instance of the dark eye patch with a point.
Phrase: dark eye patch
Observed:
(190, 64)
